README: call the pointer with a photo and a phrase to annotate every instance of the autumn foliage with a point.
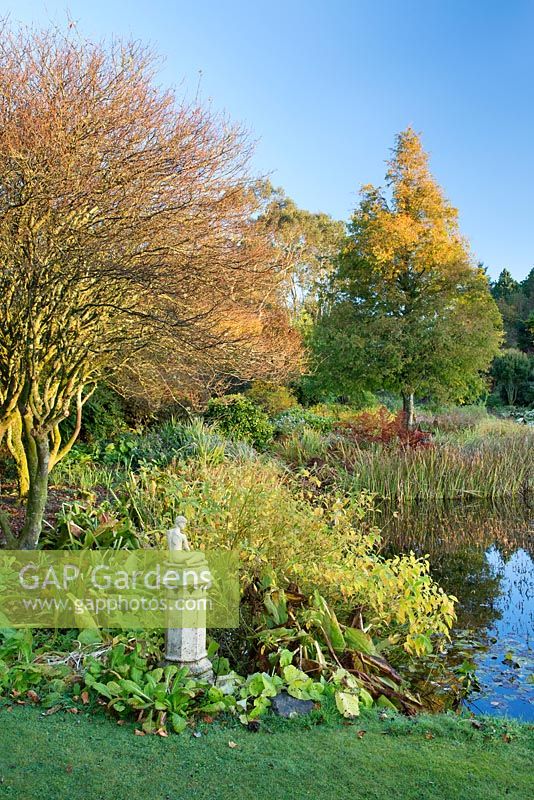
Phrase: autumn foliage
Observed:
(128, 246)
(382, 427)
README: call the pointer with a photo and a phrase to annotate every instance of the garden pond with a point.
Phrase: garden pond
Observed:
(484, 555)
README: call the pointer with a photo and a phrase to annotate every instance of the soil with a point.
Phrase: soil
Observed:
(9, 503)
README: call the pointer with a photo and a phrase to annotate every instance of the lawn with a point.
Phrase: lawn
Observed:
(75, 757)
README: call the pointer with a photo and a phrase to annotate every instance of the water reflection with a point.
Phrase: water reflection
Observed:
(484, 555)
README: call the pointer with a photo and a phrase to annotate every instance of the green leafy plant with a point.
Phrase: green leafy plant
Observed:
(271, 397)
(84, 526)
(298, 418)
(239, 417)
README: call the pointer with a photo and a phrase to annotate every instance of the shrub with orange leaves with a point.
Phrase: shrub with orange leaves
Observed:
(382, 426)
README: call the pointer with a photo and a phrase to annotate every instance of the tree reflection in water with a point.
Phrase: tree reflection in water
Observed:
(484, 555)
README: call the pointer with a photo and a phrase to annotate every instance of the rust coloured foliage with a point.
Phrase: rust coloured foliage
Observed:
(127, 242)
(383, 427)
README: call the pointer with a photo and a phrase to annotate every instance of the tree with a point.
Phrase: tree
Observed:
(308, 243)
(528, 334)
(406, 310)
(505, 286)
(525, 335)
(513, 375)
(127, 239)
(516, 303)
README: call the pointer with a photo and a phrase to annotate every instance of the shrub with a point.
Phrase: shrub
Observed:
(271, 397)
(239, 418)
(523, 415)
(288, 535)
(170, 441)
(165, 443)
(344, 412)
(381, 426)
(296, 419)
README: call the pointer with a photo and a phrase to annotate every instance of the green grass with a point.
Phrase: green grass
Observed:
(75, 757)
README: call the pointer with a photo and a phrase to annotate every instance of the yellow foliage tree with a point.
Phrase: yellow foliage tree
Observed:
(407, 309)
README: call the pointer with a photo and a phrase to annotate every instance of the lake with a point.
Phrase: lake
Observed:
(484, 555)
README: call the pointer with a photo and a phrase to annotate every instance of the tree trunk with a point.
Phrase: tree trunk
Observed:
(15, 446)
(511, 393)
(408, 408)
(38, 454)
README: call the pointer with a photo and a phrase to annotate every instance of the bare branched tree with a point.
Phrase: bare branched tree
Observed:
(126, 228)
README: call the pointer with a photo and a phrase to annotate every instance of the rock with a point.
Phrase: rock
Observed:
(283, 705)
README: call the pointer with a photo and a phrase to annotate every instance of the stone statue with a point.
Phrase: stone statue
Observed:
(187, 646)
(176, 538)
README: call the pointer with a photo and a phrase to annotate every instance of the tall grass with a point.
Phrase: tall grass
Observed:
(496, 467)
(302, 446)
(84, 474)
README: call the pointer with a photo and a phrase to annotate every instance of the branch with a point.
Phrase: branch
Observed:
(57, 454)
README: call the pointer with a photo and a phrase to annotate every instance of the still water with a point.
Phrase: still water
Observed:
(484, 555)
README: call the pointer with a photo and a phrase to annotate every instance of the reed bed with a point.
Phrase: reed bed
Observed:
(493, 468)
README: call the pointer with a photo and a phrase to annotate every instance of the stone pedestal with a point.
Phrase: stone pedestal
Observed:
(186, 647)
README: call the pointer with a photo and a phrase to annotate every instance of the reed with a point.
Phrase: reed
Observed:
(492, 468)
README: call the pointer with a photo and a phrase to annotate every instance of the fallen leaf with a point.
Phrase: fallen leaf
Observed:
(73, 711)
(506, 737)
(33, 696)
(137, 732)
(429, 735)
(49, 711)
(85, 698)
(361, 734)
(68, 768)
(232, 744)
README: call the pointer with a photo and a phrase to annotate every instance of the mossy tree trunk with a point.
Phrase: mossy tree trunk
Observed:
(15, 445)
(37, 450)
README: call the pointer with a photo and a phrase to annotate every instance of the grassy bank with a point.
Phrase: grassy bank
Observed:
(442, 758)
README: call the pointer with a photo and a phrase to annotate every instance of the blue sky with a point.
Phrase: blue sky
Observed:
(325, 86)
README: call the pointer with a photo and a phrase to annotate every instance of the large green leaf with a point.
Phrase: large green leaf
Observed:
(348, 704)
(359, 641)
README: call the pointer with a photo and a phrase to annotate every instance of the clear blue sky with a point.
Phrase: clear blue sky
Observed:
(325, 86)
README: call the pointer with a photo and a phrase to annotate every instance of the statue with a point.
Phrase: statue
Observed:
(176, 538)
(187, 646)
